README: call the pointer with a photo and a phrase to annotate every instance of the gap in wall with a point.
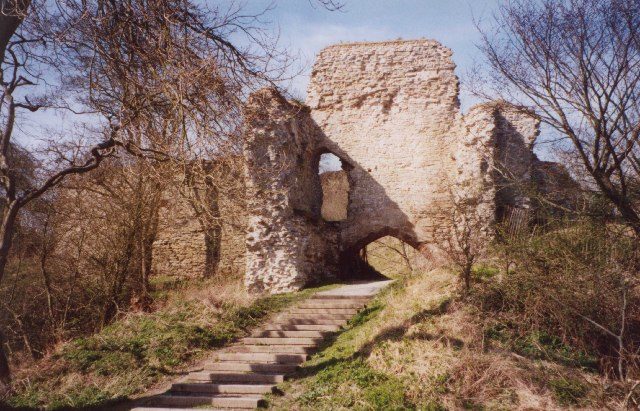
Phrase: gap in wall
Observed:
(335, 188)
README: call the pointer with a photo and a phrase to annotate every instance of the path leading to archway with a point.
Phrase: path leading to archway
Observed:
(238, 376)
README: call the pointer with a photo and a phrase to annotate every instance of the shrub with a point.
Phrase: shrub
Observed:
(564, 294)
(567, 391)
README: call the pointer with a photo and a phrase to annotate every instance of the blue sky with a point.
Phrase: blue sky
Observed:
(306, 27)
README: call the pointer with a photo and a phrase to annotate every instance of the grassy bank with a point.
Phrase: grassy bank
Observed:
(421, 346)
(145, 350)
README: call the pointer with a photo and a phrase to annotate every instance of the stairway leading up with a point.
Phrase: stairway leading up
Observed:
(237, 377)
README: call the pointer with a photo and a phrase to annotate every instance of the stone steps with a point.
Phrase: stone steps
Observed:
(217, 400)
(293, 319)
(291, 334)
(339, 297)
(249, 367)
(182, 409)
(232, 377)
(310, 311)
(199, 388)
(275, 349)
(262, 358)
(315, 317)
(282, 340)
(238, 376)
(336, 304)
(301, 327)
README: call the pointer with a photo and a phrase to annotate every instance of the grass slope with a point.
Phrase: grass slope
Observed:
(142, 350)
(419, 346)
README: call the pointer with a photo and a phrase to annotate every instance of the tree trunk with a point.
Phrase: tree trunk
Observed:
(11, 14)
(46, 278)
(466, 276)
(7, 229)
(5, 374)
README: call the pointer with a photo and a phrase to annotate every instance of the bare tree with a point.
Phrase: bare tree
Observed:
(16, 75)
(578, 63)
(161, 80)
(461, 232)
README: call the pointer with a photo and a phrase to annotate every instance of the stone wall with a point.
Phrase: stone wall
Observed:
(288, 244)
(202, 227)
(516, 131)
(335, 195)
(390, 112)
(180, 248)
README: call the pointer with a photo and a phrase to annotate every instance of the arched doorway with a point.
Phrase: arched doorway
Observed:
(382, 255)
(393, 258)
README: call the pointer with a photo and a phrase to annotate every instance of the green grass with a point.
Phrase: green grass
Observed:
(339, 376)
(134, 353)
(484, 271)
(541, 346)
(568, 391)
(420, 346)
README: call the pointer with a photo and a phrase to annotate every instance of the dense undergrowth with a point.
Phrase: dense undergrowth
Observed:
(141, 350)
(421, 345)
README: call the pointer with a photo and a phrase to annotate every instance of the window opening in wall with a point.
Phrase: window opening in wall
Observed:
(335, 188)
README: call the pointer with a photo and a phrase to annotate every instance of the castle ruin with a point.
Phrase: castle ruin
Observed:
(390, 112)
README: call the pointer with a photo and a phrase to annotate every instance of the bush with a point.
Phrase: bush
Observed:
(564, 295)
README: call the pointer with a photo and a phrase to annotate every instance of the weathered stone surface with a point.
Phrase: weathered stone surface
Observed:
(335, 195)
(390, 112)
(202, 228)
(180, 248)
(288, 244)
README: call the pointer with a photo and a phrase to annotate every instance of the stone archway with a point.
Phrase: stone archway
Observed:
(353, 262)
(335, 184)
(389, 110)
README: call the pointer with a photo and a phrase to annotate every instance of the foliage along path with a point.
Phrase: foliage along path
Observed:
(237, 377)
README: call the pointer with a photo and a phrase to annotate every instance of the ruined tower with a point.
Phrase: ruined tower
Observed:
(390, 112)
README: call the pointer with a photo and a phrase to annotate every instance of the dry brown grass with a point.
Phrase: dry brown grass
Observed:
(433, 342)
(221, 292)
(437, 347)
(143, 352)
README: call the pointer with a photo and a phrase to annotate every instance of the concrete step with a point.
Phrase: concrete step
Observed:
(249, 367)
(282, 341)
(191, 388)
(235, 377)
(182, 409)
(265, 358)
(331, 304)
(293, 334)
(304, 316)
(219, 401)
(312, 311)
(296, 320)
(238, 376)
(276, 349)
(300, 327)
(340, 297)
